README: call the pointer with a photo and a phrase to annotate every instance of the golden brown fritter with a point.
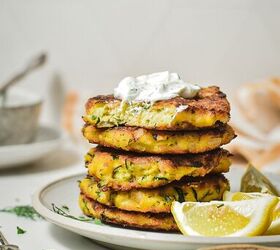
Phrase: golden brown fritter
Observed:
(159, 142)
(124, 171)
(208, 109)
(149, 221)
(157, 200)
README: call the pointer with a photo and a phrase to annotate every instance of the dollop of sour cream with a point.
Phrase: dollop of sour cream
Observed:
(154, 87)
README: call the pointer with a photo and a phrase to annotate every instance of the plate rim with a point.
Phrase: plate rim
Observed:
(131, 234)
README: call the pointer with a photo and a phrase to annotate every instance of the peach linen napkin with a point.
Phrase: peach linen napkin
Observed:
(256, 119)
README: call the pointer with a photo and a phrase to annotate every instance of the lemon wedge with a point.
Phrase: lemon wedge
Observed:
(274, 228)
(254, 181)
(224, 218)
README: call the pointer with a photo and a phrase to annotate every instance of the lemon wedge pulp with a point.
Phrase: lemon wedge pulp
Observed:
(224, 218)
(274, 228)
(254, 181)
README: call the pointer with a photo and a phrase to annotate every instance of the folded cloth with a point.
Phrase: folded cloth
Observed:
(256, 120)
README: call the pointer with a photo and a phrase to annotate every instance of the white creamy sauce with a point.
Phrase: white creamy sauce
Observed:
(154, 87)
(181, 108)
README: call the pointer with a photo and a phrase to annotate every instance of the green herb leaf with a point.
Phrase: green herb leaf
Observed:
(181, 196)
(94, 117)
(194, 194)
(155, 136)
(127, 164)
(146, 105)
(65, 208)
(205, 195)
(116, 170)
(167, 198)
(90, 154)
(20, 230)
(62, 212)
(23, 211)
(97, 221)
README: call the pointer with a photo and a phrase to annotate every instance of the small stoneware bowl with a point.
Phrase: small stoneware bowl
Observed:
(19, 117)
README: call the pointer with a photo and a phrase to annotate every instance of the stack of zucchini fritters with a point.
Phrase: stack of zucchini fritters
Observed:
(150, 154)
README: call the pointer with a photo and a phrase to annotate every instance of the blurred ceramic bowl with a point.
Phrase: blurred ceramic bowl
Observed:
(19, 117)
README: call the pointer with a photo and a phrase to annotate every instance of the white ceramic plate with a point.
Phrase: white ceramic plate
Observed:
(47, 140)
(65, 192)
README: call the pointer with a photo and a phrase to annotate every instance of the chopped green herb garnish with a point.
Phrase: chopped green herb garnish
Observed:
(205, 195)
(23, 211)
(131, 141)
(62, 212)
(143, 177)
(94, 117)
(90, 154)
(181, 196)
(221, 205)
(126, 164)
(65, 208)
(167, 198)
(146, 105)
(116, 170)
(155, 137)
(20, 230)
(131, 178)
(97, 221)
(98, 193)
(195, 194)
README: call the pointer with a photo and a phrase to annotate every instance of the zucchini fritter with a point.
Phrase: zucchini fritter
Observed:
(159, 142)
(124, 171)
(209, 108)
(157, 200)
(149, 221)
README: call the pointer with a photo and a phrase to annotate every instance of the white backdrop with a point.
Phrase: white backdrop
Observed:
(93, 44)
